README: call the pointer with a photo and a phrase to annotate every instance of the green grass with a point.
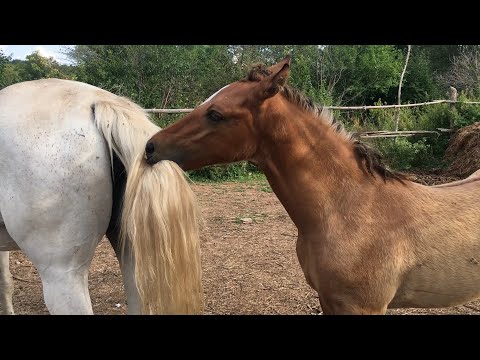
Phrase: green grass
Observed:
(232, 176)
(251, 180)
(238, 172)
(266, 188)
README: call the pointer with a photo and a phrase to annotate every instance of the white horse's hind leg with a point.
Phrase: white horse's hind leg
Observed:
(6, 282)
(125, 257)
(66, 292)
(61, 243)
(127, 266)
(64, 273)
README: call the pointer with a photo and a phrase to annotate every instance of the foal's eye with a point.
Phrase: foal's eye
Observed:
(215, 116)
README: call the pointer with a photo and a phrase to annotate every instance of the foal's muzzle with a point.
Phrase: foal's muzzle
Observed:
(149, 150)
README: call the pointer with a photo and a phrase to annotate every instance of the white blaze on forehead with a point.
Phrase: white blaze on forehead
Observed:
(211, 97)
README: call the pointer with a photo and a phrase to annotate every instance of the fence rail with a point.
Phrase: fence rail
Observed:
(168, 111)
(364, 134)
(387, 134)
(365, 107)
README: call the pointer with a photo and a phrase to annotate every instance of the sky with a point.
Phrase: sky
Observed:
(20, 51)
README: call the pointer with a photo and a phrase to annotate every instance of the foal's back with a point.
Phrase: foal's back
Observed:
(443, 265)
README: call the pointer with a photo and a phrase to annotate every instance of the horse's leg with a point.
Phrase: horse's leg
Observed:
(66, 292)
(61, 254)
(6, 282)
(127, 267)
(59, 234)
(63, 269)
(125, 257)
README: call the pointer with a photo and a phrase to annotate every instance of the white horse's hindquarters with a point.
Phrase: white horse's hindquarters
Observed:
(55, 190)
(54, 165)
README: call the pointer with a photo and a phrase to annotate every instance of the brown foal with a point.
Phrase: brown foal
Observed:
(368, 238)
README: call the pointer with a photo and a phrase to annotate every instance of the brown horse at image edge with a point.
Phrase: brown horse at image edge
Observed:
(368, 238)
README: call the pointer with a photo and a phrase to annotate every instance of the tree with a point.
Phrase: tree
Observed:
(420, 82)
(4, 63)
(464, 73)
(4, 59)
(156, 76)
(37, 66)
(397, 115)
(360, 74)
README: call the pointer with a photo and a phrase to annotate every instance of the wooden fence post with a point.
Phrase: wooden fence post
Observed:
(452, 96)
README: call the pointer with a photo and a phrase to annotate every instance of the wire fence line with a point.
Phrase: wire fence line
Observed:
(364, 107)
(365, 134)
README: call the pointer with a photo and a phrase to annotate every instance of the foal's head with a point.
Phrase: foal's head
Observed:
(226, 127)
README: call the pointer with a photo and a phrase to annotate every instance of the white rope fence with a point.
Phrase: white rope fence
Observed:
(177, 111)
(168, 111)
(364, 134)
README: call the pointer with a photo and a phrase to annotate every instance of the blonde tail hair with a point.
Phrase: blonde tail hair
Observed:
(160, 216)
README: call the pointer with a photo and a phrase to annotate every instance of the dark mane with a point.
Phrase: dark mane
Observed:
(369, 159)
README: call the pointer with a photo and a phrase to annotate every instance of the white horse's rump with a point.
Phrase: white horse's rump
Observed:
(56, 183)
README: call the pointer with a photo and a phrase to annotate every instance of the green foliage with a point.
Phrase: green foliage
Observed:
(434, 117)
(419, 85)
(440, 56)
(466, 114)
(418, 152)
(7, 73)
(160, 76)
(34, 67)
(183, 76)
(404, 154)
(38, 67)
(410, 118)
(10, 74)
(361, 73)
(239, 171)
(4, 59)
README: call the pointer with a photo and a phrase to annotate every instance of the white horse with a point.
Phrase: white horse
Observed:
(65, 151)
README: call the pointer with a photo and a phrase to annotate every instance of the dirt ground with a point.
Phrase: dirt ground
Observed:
(248, 267)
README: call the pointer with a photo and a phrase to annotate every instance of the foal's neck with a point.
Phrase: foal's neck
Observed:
(310, 166)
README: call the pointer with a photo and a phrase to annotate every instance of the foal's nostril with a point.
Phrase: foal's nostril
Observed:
(149, 148)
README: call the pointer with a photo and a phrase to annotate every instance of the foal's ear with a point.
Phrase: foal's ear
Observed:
(278, 66)
(272, 84)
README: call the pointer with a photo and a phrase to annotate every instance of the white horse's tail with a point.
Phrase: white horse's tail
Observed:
(160, 215)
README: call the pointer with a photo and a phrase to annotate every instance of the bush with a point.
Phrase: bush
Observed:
(466, 114)
(239, 171)
(404, 154)
(413, 152)
(435, 116)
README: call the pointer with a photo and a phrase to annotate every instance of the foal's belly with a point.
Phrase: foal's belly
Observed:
(440, 285)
